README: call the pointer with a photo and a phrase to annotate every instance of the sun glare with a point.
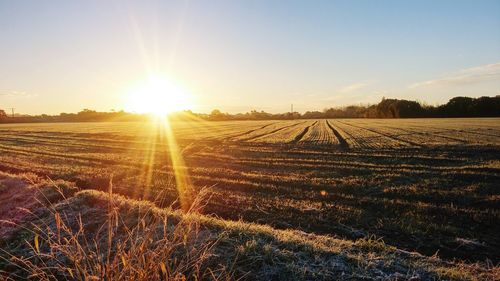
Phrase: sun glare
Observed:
(158, 95)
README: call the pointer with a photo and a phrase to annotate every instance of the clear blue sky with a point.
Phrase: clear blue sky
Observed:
(62, 56)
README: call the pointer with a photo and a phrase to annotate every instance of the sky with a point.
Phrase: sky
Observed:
(64, 56)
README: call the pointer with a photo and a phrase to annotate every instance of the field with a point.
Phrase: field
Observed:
(423, 185)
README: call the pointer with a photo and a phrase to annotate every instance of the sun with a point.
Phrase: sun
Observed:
(158, 95)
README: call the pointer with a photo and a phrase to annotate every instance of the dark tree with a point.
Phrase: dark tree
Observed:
(458, 107)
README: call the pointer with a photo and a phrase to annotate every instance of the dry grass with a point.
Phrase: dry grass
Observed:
(123, 241)
(92, 235)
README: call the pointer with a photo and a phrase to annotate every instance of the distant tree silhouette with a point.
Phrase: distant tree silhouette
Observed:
(217, 115)
(456, 107)
(387, 108)
(352, 111)
(254, 114)
(313, 115)
(394, 108)
(486, 107)
(470, 107)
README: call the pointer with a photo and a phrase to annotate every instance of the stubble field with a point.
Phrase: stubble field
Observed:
(425, 185)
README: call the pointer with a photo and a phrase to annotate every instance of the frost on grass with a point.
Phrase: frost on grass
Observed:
(92, 235)
(21, 195)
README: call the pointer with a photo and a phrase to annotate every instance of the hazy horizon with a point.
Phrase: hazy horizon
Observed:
(237, 56)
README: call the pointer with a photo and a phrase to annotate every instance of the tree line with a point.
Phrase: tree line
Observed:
(387, 108)
(86, 115)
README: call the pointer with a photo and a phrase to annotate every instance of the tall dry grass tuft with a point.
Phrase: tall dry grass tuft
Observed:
(116, 244)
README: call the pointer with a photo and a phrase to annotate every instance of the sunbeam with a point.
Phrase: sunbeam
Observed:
(182, 181)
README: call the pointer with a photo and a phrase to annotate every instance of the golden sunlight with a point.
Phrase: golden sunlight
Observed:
(158, 95)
